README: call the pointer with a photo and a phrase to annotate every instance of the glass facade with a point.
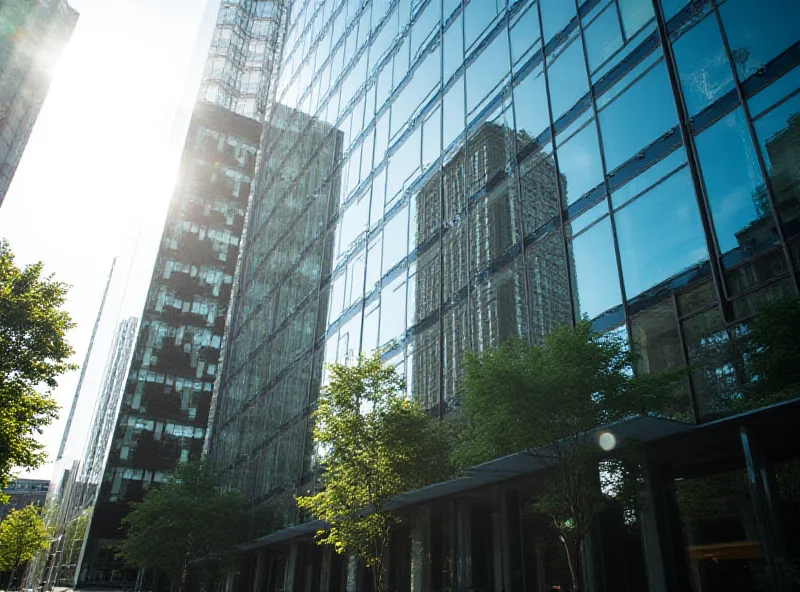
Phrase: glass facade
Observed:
(503, 167)
(33, 34)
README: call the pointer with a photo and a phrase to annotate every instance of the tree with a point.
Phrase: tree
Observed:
(22, 535)
(547, 399)
(33, 354)
(185, 528)
(374, 443)
(775, 356)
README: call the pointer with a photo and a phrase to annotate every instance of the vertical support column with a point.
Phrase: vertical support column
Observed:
(353, 574)
(420, 550)
(763, 496)
(325, 570)
(230, 582)
(291, 568)
(660, 535)
(497, 547)
(464, 546)
(261, 560)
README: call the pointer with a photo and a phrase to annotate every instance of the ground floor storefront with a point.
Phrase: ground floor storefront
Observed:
(720, 512)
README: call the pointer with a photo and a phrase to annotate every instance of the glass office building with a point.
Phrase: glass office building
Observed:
(501, 167)
(33, 33)
(164, 410)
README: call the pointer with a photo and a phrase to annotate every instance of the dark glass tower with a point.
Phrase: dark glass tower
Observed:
(507, 166)
(165, 406)
(33, 33)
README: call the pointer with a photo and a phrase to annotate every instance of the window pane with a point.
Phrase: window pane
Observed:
(530, 105)
(453, 49)
(395, 239)
(759, 31)
(556, 15)
(453, 110)
(524, 33)
(568, 82)
(539, 192)
(393, 310)
(649, 177)
(635, 14)
(548, 283)
(486, 72)
(580, 164)
(660, 234)
(603, 37)
(736, 194)
(779, 139)
(597, 287)
(702, 65)
(477, 17)
(638, 117)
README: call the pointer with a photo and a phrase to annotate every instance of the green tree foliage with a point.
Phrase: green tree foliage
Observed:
(185, 528)
(22, 535)
(33, 354)
(547, 399)
(374, 444)
(775, 354)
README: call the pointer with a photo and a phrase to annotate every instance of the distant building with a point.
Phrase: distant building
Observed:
(22, 493)
(166, 401)
(33, 33)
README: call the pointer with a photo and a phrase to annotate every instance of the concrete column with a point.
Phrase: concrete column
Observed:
(464, 546)
(420, 550)
(353, 574)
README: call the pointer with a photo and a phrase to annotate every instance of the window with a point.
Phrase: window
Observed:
(603, 37)
(660, 234)
(580, 164)
(395, 239)
(703, 67)
(453, 110)
(478, 15)
(525, 33)
(487, 71)
(779, 140)
(567, 75)
(393, 310)
(530, 105)
(638, 117)
(597, 279)
(635, 15)
(453, 48)
(556, 15)
(736, 193)
(759, 31)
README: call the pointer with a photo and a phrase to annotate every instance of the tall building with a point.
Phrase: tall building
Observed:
(165, 406)
(507, 166)
(33, 33)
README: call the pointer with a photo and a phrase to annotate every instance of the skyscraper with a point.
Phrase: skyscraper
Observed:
(33, 33)
(506, 167)
(165, 406)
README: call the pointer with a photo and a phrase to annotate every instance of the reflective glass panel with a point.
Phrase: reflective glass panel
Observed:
(660, 234)
(548, 286)
(524, 33)
(635, 14)
(487, 71)
(736, 195)
(530, 105)
(779, 139)
(703, 67)
(597, 287)
(580, 164)
(759, 31)
(603, 37)
(478, 14)
(453, 110)
(649, 177)
(453, 49)
(395, 239)
(638, 117)
(567, 75)
(556, 15)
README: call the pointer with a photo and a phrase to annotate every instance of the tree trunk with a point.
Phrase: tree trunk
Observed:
(573, 550)
(11, 576)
